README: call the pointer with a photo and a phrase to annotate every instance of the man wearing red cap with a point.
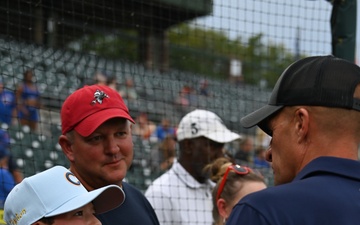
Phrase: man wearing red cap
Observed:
(96, 139)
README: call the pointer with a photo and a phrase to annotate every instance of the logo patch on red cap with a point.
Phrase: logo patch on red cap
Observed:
(99, 97)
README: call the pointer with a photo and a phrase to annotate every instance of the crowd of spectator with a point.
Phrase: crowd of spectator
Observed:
(180, 153)
(21, 107)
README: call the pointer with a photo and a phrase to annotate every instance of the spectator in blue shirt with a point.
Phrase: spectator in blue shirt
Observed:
(28, 101)
(259, 158)
(164, 129)
(7, 104)
(7, 181)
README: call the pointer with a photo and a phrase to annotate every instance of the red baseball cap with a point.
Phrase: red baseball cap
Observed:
(90, 106)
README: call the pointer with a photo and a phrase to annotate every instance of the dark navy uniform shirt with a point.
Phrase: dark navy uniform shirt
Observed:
(326, 191)
(136, 210)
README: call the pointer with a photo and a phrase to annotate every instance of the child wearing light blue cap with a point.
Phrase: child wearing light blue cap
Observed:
(57, 197)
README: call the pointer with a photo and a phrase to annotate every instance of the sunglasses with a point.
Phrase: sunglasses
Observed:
(242, 170)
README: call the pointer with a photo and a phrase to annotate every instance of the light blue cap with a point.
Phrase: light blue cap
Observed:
(54, 192)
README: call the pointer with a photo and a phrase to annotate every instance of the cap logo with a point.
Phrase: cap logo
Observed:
(72, 179)
(17, 217)
(194, 128)
(99, 97)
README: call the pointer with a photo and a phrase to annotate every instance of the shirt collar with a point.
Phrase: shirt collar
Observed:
(187, 179)
(334, 165)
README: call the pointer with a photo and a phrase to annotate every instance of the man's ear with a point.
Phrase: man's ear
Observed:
(302, 119)
(66, 144)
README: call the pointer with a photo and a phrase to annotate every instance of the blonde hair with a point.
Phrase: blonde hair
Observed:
(234, 182)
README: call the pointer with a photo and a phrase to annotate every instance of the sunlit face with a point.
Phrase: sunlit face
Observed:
(103, 157)
(282, 150)
(81, 216)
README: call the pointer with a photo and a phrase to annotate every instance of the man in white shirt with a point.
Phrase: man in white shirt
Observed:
(182, 195)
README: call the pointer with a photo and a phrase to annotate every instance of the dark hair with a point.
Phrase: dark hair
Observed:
(26, 72)
(165, 148)
(234, 182)
(47, 220)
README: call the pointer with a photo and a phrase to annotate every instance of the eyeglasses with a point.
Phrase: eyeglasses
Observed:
(242, 170)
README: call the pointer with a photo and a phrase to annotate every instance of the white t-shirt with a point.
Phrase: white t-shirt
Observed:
(178, 199)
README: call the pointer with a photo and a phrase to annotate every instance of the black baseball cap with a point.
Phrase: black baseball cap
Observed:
(313, 81)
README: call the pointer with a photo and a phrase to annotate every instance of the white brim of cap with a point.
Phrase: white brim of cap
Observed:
(104, 199)
(222, 136)
(260, 115)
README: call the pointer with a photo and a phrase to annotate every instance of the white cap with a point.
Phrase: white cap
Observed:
(204, 123)
(54, 192)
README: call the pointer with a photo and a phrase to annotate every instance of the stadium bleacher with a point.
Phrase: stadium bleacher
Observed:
(59, 72)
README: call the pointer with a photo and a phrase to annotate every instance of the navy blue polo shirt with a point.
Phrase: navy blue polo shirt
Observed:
(136, 210)
(326, 191)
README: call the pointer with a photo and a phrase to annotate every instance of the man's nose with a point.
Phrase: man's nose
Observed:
(95, 221)
(268, 155)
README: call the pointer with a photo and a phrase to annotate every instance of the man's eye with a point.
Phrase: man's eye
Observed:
(94, 138)
(216, 144)
(271, 133)
(121, 134)
(79, 213)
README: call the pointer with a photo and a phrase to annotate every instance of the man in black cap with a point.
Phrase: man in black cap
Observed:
(314, 120)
